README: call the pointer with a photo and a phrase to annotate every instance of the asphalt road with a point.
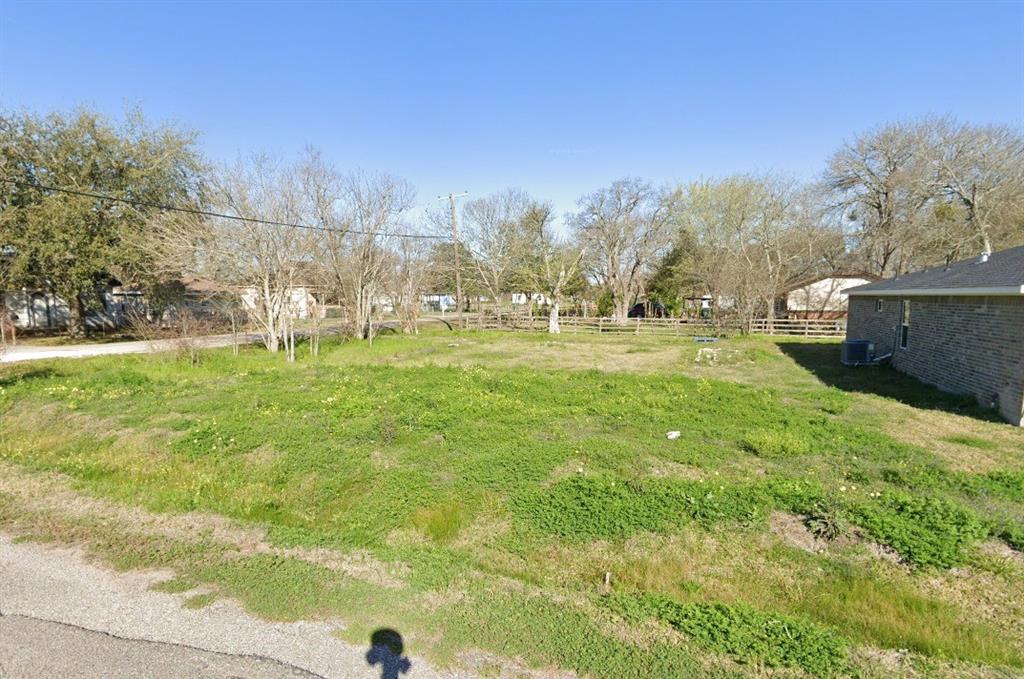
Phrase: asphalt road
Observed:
(61, 616)
(39, 648)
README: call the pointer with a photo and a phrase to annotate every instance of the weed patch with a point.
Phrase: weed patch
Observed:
(742, 632)
(505, 483)
(585, 507)
(926, 531)
(774, 443)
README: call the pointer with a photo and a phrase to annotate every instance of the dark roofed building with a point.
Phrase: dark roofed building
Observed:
(959, 327)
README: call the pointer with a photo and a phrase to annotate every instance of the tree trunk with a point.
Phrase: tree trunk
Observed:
(621, 309)
(553, 319)
(76, 315)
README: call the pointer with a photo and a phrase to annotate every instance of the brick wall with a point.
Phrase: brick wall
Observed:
(866, 323)
(967, 345)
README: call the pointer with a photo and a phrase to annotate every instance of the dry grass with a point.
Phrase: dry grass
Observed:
(53, 494)
(933, 429)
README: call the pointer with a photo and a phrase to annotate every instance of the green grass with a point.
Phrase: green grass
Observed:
(503, 482)
(972, 442)
(174, 586)
(742, 632)
(197, 601)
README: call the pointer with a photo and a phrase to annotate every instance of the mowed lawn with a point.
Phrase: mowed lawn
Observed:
(507, 498)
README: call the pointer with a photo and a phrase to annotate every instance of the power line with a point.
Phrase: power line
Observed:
(206, 213)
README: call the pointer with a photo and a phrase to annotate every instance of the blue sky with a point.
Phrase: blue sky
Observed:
(556, 98)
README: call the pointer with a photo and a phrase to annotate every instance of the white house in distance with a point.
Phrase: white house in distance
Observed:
(820, 296)
(42, 310)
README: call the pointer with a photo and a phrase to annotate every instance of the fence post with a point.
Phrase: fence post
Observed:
(638, 326)
(600, 325)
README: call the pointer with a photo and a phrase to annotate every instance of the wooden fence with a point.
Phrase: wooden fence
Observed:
(670, 327)
(803, 327)
(667, 327)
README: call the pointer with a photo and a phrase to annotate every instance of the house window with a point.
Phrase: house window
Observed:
(905, 324)
(878, 306)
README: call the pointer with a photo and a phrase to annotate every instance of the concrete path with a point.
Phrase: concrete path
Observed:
(63, 617)
(28, 352)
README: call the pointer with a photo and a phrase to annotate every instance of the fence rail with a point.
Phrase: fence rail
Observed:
(668, 327)
(804, 327)
(815, 328)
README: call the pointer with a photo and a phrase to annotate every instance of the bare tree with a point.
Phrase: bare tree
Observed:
(879, 183)
(495, 234)
(754, 234)
(407, 281)
(355, 262)
(263, 260)
(980, 171)
(920, 193)
(257, 255)
(624, 228)
(551, 262)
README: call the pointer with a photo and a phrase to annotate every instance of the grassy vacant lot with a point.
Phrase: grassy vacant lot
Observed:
(498, 497)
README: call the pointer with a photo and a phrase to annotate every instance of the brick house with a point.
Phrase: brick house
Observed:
(959, 327)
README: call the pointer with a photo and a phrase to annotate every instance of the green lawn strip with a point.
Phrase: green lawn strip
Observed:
(746, 634)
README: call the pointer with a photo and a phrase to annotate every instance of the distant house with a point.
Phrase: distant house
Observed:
(39, 309)
(959, 328)
(819, 296)
(43, 310)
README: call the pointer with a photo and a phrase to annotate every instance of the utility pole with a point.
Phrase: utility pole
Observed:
(459, 302)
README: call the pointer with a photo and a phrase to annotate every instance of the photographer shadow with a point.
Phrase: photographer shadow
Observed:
(386, 650)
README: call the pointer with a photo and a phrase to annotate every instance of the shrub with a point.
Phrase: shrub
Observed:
(926, 531)
(746, 634)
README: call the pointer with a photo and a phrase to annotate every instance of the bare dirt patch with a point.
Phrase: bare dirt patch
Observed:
(568, 468)
(262, 456)
(791, 529)
(674, 470)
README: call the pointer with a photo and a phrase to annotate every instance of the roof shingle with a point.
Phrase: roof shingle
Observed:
(1003, 270)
